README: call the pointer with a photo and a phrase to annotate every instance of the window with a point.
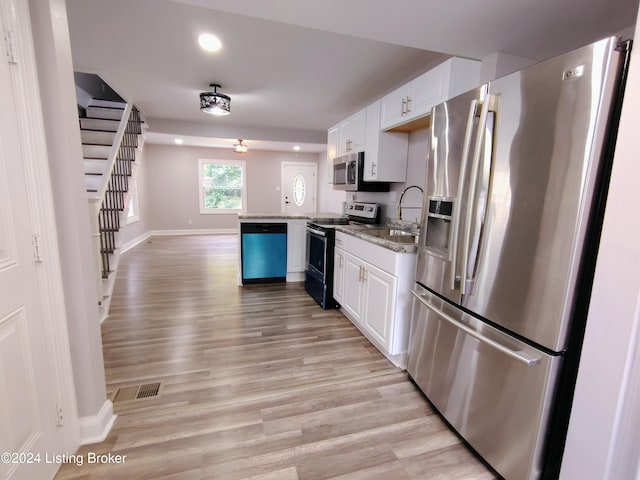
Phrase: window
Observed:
(222, 186)
(298, 189)
(133, 214)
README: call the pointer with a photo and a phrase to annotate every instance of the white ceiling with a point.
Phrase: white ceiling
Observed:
(294, 68)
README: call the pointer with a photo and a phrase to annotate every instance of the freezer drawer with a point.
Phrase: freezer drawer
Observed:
(493, 389)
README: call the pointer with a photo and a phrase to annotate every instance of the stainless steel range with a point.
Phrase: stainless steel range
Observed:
(318, 280)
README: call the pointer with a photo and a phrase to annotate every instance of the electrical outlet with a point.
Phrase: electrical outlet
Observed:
(189, 221)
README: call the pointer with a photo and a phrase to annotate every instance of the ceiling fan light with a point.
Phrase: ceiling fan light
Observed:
(240, 147)
(215, 103)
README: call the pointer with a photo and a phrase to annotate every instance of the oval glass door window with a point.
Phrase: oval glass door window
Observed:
(299, 189)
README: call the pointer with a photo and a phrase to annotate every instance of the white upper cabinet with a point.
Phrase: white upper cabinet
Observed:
(352, 131)
(394, 107)
(385, 153)
(385, 158)
(416, 98)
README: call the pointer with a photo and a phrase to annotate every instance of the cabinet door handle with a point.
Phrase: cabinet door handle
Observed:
(373, 169)
(408, 104)
(404, 106)
(360, 273)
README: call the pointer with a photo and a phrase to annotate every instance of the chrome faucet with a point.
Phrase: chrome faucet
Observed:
(402, 195)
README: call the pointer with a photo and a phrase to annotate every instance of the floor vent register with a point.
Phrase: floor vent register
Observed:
(136, 392)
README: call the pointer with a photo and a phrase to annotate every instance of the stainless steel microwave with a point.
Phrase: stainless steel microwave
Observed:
(348, 174)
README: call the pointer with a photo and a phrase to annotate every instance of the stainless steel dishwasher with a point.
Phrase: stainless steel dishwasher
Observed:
(264, 252)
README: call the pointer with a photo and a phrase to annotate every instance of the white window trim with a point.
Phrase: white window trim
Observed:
(206, 211)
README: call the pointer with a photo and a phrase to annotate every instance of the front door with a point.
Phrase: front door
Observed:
(299, 187)
(28, 428)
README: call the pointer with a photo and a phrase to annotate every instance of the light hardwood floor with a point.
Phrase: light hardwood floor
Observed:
(257, 382)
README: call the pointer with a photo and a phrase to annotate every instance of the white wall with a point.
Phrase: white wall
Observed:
(172, 185)
(499, 64)
(416, 171)
(602, 442)
(137, 229)
(329, 200)
(416, 175)
(55, 72)
(603, 413)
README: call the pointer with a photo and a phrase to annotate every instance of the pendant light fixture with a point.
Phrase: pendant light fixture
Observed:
(240, 147)
(215, 103)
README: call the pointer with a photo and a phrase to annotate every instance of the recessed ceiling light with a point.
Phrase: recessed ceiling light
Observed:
(209, 42)
(296, 147)
(179, 141)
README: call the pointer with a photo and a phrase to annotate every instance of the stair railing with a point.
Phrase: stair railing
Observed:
(109, 201)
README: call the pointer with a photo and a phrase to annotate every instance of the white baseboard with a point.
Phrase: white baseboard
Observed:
(207, 231)
(94, 429)
(132, 243)
(399, 360)
(295, 276)
(145, 236)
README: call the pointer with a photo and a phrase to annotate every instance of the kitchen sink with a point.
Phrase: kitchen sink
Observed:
(388, 231)
(392, 234)
(403, 238)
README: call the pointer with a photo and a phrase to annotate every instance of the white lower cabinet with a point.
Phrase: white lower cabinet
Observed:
(338, 274)
(376, 298)
(379, 303)
(296, 249)
(353, 291)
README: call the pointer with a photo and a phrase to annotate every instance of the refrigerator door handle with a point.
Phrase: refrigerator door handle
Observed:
(455, 224)
(480, 206)
(521, 356)
(475, 167)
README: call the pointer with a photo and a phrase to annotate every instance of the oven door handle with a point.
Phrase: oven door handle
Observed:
(317, 232)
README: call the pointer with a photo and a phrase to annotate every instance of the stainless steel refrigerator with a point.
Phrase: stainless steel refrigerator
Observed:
(514, 196)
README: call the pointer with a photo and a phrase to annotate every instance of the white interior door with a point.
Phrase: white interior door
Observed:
(27, 394)
(299, 185)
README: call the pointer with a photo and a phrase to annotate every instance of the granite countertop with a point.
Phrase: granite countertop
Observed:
(360, 232)
(314, 216)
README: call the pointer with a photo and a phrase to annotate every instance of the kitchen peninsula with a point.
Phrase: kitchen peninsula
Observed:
(369, 275)
(281, 237)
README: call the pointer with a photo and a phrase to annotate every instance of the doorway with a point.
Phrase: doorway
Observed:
(299, 187)
(30, 409)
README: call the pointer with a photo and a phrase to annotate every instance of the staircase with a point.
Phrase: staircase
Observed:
(111, 133)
